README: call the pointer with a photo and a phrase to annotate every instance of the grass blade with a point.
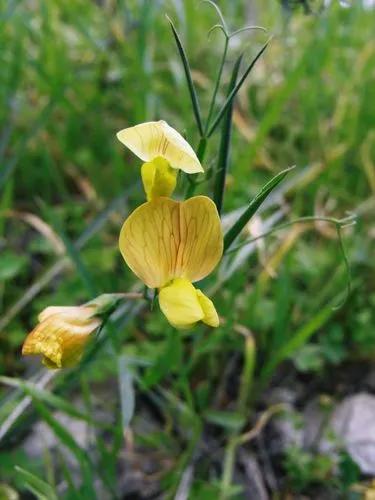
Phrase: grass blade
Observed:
(52, 272)
(64, 436)
(235, 90)
(192, 91)
(12, 163)
(300, 338)
(47, 397)
(41, 489)
(255, 203)
(222, 164)
(72, 252)
(126, 388)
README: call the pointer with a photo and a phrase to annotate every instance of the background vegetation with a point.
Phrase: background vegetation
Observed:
(152, 413)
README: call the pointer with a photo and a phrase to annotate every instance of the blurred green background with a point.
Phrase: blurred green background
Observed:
(73, 73)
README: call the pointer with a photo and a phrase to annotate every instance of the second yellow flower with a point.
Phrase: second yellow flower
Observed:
(171, 244)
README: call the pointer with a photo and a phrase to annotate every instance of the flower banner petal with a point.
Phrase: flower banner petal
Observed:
(152, 139)
(201, 238)
(149, 241)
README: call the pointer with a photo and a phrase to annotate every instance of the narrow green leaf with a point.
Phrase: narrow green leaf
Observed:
(228, 420)
(167, 361)
(72, 252)
(304, 333)
(72, 491)
(192, 91)
(41, 489)
(222, 164)
(255, 203)
(11, 265)
(235, 90)
(60, 432)
(12, 163)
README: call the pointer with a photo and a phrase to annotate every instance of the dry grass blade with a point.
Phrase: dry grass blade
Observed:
(39, 225)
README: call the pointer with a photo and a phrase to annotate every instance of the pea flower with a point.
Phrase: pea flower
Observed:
(164, 152)
(171, 244)
(62, 333)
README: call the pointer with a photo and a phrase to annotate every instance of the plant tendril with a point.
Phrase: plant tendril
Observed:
(247, 28)
(340, 224)
(219, 13)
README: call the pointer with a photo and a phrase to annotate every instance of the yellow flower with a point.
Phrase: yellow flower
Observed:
(169, 245)
(63, 332)
(164, 151)
(61, 335)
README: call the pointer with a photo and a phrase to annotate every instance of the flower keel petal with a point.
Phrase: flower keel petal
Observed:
(159, 179)
(179, 303)
(211, 317)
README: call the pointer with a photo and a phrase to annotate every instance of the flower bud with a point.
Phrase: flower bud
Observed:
(62, 333)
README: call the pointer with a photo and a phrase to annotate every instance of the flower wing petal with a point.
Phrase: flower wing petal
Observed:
(149, 241)
(154, 139)
(201, 238)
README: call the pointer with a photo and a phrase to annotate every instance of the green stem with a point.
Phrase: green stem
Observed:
(217, 83)
(235, 90)
(190, 449)
(237, 440)
(247, 375)
(201, 150)
(229, 459)
(242, 403)
(225, 141)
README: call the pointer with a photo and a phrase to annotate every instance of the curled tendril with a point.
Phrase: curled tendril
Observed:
(223, 25)
(247, 28)
(219, 13)
(218, 26)
(228, 36)
(348, 221)
(340, 224)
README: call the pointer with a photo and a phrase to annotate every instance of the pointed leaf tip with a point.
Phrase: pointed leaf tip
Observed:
(255, 203)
